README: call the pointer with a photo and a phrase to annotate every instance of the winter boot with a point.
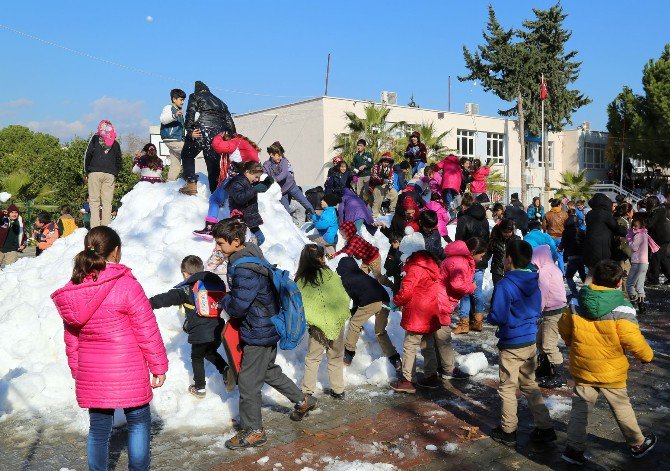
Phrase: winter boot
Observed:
(479, 321)
(206, 233)
(247, 439)
(641, 306)
(543, 366)
(403, 385)
(348, 357)
(555, 380)
(429, 382)
(303, 408)
(573, 456)
(543, 435)
(396, 361)
(463, 326)
(190, 188)
(506, 438)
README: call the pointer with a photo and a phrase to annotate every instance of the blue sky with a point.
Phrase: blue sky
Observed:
(276, 52)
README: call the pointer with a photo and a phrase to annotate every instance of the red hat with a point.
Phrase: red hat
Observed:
(12, 207)
(409, 203)
(386, 156)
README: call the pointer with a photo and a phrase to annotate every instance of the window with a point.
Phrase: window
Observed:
(540, 158)
(465, 141)
(494, 147)
(594, 155)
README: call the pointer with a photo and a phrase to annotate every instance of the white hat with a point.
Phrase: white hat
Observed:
(412, 242)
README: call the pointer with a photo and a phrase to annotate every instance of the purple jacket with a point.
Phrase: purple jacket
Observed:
(352, 207)
(281, 172)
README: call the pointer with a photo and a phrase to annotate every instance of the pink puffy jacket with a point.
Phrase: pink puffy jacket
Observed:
(552, 287)
(442, 216)
(451, 173)
(111, 335)
(478, 184)
(457, 273)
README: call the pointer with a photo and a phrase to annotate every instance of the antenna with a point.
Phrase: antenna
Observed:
(327, 73)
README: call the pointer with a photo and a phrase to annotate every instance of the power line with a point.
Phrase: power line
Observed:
(131, 67)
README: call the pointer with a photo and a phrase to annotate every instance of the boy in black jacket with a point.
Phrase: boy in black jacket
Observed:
(431, 236)
(204, 333)
(368, 296)
(393, 263)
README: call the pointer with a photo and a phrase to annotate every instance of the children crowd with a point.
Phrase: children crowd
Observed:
(426, 276)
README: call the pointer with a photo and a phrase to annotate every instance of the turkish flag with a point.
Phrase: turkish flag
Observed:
(543, 89)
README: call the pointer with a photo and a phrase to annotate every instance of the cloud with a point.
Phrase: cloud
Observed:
(150, 19)
(19, 103)
(126, 116)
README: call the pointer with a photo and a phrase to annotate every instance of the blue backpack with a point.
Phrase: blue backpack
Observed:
(290, 320)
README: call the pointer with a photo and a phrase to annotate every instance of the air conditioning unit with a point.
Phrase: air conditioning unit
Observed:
(390, 98)
(471, 108)
(586, 125)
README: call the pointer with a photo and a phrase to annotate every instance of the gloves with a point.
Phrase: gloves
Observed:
(268, 181)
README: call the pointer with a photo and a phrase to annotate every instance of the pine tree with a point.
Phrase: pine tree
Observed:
(625, 125)
(656, 109)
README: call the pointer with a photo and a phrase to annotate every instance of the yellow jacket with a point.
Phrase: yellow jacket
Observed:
(598, 332)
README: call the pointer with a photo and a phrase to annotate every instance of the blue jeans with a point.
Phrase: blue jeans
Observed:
(449, 196)
(139, 428)
(219, 200)
(465, 302)
(561, 264)
(297, 195)
(258, 234)
(575, 264)
(417, 166)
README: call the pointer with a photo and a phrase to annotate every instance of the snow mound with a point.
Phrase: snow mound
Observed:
(472, 363)
(155, 224)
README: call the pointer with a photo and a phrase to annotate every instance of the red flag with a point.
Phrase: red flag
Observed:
(543, 89)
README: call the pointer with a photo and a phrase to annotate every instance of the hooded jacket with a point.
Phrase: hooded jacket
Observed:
(457, 273)
(337, 181)
(473, 223)
(572, 239)
(199, 329)
(451, 173)
(353, 207)
(326, 224)
(442, 216)
(478, 184)
(515, 307)
(421, 295)
(282, 172)
(252, 299)
(244, 197)
(361, 287)
(326, 305)
(112, 340)
(658, 225)
(600, 230)
(536, 238)
(213, 113)
(416, 152)
(550, 280)
(598, 332)
(639, 245)
(12, 233)
(248, 153)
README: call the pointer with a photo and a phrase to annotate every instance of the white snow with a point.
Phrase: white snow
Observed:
(558, 405)
(431, 447)
(4, 197)
(472, 363)
(337, 465)
(449, 447)
(263, 460)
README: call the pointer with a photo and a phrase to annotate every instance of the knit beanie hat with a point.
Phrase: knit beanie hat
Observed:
(417, 135)
(200, 87)
(331, 199)
(412, 242)
(409, 203)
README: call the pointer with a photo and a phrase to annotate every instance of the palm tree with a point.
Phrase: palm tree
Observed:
(433, 141)
(19, 185)
(495, 184)
(576, 185)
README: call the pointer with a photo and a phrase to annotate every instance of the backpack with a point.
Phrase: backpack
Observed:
(290, 320)
(206, 297)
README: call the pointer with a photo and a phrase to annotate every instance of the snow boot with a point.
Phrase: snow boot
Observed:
(455, 374)
(429, 382)
(641, 306)
(555, 380)
(543, 435)
(573, 456)
(500, 436)
(303, 408)
(190, 188)
(247, 439)
(463, 326)
(396, 361)
(206, 233)
(402, 385)
(338, 396)
(543, 366)
(478, 323)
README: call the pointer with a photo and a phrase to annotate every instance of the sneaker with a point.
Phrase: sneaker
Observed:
(303, 408)
(348, 357)
(543, 435)
(338, 396)
(402, 385)
(572, 456)
(641, 450)
(430, 382)
(396, 362)
(247, 439)
(205, 233)
(498, 435)
(199, 393)
(229, 378)
(455, 374)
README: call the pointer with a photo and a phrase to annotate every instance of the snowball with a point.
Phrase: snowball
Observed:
(472, 363)
(263, 460)
(449, 447)
(431, 448)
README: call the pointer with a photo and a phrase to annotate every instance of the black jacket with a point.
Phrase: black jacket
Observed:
(658, 225)
(496, 252)
(620, 247)
(337, 181)
(393, 264)
(519, 216)
(361, 288)
(243, 196)
(433, 243)
(213, 113)
(473, 223)
(97, 160)
(572, 239)
(199, 329)
(600, 230)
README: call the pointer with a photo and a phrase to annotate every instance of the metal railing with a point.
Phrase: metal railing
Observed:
(612, 187)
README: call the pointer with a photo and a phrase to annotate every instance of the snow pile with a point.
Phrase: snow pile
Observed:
(337, 465)
(558, 405)
(155, 224)
(472, 363)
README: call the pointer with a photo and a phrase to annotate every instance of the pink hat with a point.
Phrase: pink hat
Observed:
(107, 132)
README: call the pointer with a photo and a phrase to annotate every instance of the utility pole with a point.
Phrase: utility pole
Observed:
(623, 131)
(449, 93)
(327, 73)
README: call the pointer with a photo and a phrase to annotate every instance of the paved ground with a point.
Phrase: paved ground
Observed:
(439, 430)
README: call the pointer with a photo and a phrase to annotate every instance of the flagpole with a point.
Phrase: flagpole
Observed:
(545, 157)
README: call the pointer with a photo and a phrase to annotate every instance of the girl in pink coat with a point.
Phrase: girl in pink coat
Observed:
(435, 204)
(479, 174)
(112, 344)
(451, 177)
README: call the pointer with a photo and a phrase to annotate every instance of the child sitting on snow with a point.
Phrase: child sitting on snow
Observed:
(148, 165)
(598, 334)
(204, 333)
(358, 247)
(326, 311)
(368, 297)
(326, 223)
(554, 300)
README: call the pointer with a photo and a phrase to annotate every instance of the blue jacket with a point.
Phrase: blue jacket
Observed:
(175, 128)
(252, 299)
(582, 218)
(327, 225)
(537, 237)
(515, 307)
(533, 212)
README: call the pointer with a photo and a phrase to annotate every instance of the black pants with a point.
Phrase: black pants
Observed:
(192, 148)
(200, 352)
(659, 262)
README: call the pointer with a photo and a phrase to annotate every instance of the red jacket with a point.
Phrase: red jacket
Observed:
(478, 184)
(457, 273)
(451, 173)
(380, 175)
(421, 294)
(247, 152)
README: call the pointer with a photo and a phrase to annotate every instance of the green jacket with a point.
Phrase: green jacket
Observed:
(326, 305)
(364, 158)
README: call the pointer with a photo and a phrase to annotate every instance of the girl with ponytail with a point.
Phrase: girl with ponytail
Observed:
(113, 344)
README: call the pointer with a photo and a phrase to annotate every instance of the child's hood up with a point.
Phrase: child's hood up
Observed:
(77, 303)
(542, 257)
(525, 280)
(347, 266)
